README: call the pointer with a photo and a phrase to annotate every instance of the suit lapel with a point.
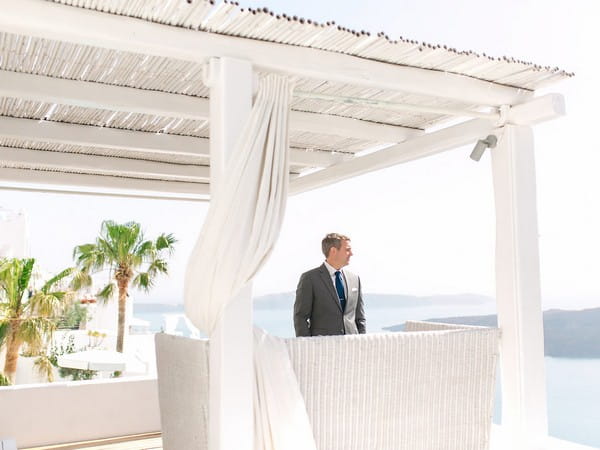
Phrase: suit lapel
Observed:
(350, 286)
(326, 278)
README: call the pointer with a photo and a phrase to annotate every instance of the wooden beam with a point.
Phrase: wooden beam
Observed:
(537, 110)
(26, 179)
(102, 96)
(92, 136)
(108, 164)
(231, 350)
(418, 147)
(124, 99)
(53, 21)
(518, 296)
(316, 158)
(87, 135)
(95, 193)
(351, 128)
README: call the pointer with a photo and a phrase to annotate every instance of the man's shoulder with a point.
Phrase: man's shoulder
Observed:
(313, 272)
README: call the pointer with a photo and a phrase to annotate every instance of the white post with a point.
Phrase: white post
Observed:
(524, 415)
(231, 418)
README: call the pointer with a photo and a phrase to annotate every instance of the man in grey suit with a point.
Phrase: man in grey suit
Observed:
(329, 299)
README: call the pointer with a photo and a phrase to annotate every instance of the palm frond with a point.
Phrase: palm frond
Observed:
(107, 292)
(146, 251)
(134, 260)
(89, 257)
(166, 242)
(34, 330)
(43, 366)
(15, 275)
(81, 278)
(122, 238)
(123, 250)
(158, 266)
(56, 278)
(143, 281)
(49, 304)
(26, 271)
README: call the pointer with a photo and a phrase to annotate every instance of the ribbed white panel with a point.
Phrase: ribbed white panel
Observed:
(182, 365)
(417, 390)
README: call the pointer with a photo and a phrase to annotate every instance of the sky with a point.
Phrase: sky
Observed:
(422, 228)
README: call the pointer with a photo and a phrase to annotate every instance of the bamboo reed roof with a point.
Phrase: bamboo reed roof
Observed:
(70, 61)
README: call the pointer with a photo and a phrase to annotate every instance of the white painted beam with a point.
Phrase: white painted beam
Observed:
(118, 98)
(539, 109)
(231, 395)
(91, 136)
(348, 127)
(108, 165)
(81, 26)
(317, 158)
(518, 297)
(86, 135)
(102, 96)
(415, 148)
(40, 189)
(25, 179)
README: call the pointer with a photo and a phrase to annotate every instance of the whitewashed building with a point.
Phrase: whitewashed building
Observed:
(119, 98)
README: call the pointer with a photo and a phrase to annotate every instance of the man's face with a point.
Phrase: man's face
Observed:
(341, 257)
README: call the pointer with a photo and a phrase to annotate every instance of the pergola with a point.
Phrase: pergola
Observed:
(119, 98)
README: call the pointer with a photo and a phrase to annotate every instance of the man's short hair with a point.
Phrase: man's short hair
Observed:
(332, 240)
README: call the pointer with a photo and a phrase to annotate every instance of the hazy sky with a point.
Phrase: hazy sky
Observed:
(426, 227)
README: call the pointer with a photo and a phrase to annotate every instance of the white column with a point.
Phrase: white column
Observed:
(231, 360)
(524, 415)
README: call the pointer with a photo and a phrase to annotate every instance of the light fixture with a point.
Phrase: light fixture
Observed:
(481, 145)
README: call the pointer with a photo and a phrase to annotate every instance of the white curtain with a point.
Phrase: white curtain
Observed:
(246, 211)
(281, 420)
(240, 230)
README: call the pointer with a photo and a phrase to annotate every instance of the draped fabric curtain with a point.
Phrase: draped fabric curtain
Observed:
(246, 211)
(281, 420)
(239, 232)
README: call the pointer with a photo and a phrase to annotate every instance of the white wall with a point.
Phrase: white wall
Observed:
(13, 234)
(45, 414)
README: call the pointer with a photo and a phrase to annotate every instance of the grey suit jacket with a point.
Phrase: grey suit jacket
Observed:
(317, 310)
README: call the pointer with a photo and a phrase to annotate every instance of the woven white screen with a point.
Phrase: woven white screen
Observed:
(414, 391)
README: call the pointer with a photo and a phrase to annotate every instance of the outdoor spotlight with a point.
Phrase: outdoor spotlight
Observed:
(481, 145)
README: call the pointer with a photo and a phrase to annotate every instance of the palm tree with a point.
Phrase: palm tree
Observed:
(130, 259)
(27, 317)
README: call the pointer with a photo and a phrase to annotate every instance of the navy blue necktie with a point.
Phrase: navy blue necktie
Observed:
(339, 287)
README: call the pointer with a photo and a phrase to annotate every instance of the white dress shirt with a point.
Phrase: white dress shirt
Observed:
(332, 270)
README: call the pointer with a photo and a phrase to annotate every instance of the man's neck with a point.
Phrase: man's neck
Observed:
(336, 267)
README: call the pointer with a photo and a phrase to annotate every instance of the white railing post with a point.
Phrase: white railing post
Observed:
(231, 418)
(524, 414)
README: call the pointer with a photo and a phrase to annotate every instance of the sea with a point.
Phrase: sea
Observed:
(573, 385)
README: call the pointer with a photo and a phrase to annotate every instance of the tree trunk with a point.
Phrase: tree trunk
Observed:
(12, 351)
(123, 284)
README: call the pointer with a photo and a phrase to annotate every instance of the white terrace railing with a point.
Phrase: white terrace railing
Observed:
(73, 411)
(431, 388)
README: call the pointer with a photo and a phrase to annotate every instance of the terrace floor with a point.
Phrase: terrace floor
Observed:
(153, 441)
(146, 441)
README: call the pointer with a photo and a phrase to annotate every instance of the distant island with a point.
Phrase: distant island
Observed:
(567, 334)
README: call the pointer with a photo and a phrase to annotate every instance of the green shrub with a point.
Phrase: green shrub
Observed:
(4, 381)
(63, 349)
(73, 316)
